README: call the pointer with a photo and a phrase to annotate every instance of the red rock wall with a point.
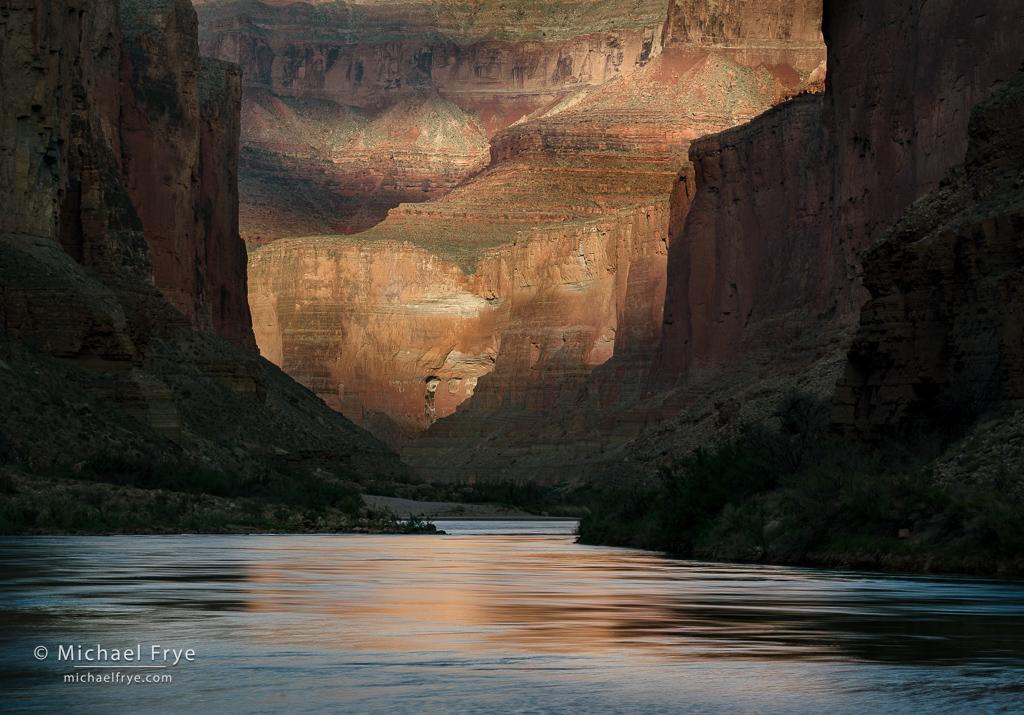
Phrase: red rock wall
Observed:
(179, 165)
(565, 234)
(754, 265)
(786, 205)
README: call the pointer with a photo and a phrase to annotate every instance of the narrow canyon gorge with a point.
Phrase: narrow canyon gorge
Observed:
(513, 240)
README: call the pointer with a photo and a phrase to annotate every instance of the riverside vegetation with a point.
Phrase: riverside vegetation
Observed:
(113, 493)
(933, 497)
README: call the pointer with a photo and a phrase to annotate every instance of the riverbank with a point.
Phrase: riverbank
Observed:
(413, 508)
(788, 492)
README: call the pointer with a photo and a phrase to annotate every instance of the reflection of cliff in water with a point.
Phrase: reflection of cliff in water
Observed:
(136, 576)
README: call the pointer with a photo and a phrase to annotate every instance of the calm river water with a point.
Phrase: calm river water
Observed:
(497, 617)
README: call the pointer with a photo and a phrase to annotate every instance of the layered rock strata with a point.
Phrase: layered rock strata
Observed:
(93, 356)
(564, 236)
(316, 166)
(941, 337)
(352, 109)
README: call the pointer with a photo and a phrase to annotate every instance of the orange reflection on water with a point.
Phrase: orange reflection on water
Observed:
(544, 594)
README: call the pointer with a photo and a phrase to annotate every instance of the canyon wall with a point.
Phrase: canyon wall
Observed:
(754, 264)
(59, 103)
(940, 341)
(816, 183)
(93, 357)
(130, 113)
(900, 126)
(755, 245)
(822, 190)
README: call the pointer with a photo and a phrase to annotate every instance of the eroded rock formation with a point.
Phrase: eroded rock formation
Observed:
(352, 109)
(116, 168)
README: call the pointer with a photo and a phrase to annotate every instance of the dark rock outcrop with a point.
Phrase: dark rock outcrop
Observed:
(942, 338)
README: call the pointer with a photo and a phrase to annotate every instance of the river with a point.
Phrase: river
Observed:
(496, 617)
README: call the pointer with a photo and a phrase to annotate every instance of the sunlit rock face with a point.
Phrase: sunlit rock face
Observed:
(564, 235)
(352, 109)
(377, 328)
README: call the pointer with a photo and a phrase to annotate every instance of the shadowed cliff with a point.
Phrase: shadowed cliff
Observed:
(120, 257)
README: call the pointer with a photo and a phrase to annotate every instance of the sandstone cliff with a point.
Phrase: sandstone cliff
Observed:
(940, 339)
(550, 261)
(93, 356)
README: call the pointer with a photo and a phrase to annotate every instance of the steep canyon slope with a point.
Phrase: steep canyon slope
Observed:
(120, 256)
(544, 265)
